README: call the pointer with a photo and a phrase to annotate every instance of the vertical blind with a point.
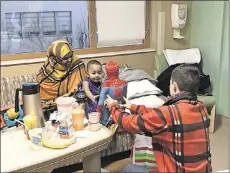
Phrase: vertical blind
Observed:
(120, 22)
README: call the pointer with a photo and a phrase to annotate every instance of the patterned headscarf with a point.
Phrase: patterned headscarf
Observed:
(54, 63)
(54, 77)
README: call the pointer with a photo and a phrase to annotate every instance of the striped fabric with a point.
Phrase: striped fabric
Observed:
(144, 156)
(180, 133)
(143, 151)
(54, 77)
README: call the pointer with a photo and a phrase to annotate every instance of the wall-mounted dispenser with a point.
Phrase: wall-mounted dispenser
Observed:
(178, 19)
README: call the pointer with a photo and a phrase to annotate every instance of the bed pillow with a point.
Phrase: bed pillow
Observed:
(131, 74)
(141, 88)
(151, 101)
(189, 56)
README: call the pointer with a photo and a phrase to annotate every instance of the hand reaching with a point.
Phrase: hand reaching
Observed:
(109, 101)
(127, 103)
(95, 98)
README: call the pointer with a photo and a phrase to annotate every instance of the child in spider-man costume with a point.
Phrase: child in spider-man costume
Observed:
(114, 87)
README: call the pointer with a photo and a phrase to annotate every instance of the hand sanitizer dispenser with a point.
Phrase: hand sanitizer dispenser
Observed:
(178, 18)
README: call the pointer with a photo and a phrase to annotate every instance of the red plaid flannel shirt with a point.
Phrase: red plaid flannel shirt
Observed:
(180, 134)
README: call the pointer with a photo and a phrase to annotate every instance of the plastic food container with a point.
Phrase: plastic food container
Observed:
(64, 103)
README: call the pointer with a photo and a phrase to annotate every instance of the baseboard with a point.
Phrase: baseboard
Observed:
(222, 121)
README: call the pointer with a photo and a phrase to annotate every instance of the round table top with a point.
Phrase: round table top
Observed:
(17, 153)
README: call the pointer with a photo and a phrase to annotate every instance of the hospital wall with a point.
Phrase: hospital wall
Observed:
(210, 33)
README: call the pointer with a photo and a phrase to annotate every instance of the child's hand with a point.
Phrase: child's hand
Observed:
(95, 98)
(127, 103)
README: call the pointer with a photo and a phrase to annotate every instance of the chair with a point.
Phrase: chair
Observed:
(209, 101)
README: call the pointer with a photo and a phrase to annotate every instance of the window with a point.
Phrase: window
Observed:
(13, 23)
(64, 22)
(34, 26)
(125, 24)
(90, 26)
(48, 23)
(30, 24)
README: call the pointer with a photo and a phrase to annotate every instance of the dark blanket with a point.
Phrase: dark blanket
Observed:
(164, 80)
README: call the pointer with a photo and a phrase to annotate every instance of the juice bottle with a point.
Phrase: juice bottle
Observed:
(78, 115)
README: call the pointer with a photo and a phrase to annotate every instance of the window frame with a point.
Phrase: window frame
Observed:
(92, 39)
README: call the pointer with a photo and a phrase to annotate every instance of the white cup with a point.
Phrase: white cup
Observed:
(36, 138)
(94, 123)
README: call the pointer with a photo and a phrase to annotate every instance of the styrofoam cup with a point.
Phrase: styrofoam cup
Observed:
(94, 121)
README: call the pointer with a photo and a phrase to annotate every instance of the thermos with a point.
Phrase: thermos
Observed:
(31, 102)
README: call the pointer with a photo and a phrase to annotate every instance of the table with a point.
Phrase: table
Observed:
(17, 154)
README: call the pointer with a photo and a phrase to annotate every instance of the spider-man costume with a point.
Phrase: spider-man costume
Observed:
(114, 87)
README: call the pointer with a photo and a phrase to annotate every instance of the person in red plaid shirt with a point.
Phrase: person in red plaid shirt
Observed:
(179, 129)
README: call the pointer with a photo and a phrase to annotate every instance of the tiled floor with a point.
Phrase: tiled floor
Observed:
(219, 149)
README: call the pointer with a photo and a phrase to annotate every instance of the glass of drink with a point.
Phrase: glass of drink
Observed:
(31, 122)
(78, 115)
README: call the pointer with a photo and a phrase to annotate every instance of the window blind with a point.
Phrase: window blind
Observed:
(120, 22)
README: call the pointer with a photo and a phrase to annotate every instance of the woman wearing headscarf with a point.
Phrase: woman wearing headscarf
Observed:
(61, 72)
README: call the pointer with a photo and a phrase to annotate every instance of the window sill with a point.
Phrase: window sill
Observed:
(108, 54)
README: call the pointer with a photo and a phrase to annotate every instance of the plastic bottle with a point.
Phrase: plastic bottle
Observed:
(78, 115)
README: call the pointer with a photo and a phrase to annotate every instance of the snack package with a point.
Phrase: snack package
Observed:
(56, 118)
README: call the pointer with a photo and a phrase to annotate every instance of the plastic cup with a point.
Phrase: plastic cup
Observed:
(78, 115)
(94, 123)
(31, 122)
(36, 138)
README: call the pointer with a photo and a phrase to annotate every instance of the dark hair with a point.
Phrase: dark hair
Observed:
(187, 77)
(93, 62)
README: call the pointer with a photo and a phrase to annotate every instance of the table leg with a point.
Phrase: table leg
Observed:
(92, 163)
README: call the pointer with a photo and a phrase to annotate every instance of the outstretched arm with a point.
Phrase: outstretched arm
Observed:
(148, 121)
(136, 109)
(151, 122)
(85, 86)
